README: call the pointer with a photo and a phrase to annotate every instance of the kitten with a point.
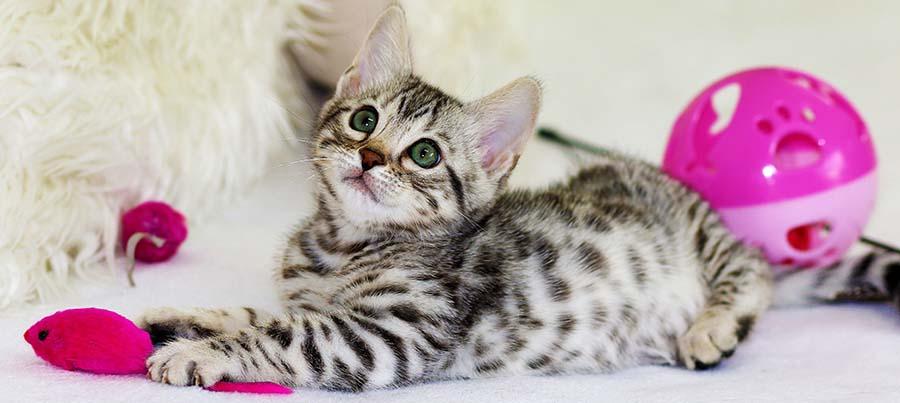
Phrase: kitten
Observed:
(419, 266)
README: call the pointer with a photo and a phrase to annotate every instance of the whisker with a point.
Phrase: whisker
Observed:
(299, 118)
(311, 142)
(469, 219)
(289, 163)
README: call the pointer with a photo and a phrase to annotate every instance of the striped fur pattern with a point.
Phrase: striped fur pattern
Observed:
(417, 274)
(873, 276)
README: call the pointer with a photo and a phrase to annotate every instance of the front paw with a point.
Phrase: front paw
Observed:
(709, 340)
(190, 362)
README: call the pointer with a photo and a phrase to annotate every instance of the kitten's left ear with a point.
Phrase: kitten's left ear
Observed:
(383, 56)
(506, 120)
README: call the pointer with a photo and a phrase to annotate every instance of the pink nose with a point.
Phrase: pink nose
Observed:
(370, 158)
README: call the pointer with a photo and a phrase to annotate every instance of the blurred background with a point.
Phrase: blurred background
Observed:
(618, 73)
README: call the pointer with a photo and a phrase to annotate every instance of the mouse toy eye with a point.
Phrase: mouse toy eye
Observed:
(42, 335)
(425, 153)
(364, 119)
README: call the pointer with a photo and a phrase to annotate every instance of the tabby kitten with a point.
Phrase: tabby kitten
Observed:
(419, 266)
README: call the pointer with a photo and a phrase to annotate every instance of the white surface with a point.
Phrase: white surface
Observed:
(613, 76)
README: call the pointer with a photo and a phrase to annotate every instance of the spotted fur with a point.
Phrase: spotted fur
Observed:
(440, 273)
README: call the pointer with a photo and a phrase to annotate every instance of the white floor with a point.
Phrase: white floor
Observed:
(614, 76)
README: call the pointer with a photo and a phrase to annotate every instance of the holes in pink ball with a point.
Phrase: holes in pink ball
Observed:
(723, 103)
(801, 80)
(797, 150)
(784, 112)
(808, 114)
(826, 94)
(787, 262)
(809, 237)
(765, 126)
(820, 89)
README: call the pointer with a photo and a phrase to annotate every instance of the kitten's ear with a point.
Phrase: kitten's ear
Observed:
(506, 121)
(384, 55)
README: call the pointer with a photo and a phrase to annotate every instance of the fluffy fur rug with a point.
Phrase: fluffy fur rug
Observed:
(106, 103)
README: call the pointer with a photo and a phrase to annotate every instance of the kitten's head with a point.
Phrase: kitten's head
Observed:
(394, 153)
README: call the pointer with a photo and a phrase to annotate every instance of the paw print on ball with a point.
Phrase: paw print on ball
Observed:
(797, 145)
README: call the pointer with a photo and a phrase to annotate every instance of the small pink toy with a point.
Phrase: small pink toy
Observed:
(157, 219)
(152, 232)
(91, 340)
(792, 171)
(104, 342)
(267, 388)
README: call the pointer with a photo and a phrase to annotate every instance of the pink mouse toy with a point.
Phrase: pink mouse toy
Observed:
(791, 169)
(104, 342)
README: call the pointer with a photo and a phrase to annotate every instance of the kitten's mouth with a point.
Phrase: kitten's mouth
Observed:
(360, 183)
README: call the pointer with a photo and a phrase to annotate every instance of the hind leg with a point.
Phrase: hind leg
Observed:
(740, 289)
(167, 324)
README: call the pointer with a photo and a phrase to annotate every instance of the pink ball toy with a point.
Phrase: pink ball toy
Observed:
(793, 169)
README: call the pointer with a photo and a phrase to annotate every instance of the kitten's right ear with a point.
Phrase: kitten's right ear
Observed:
(506, 120)
(383, 56)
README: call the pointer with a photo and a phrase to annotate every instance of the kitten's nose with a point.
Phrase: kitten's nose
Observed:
(370, 158)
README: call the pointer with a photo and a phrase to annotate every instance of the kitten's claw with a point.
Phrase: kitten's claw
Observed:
(710, 339)
(189, 362)
(702, 366)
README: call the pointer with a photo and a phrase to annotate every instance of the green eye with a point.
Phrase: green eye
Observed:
(425, 153)
(364, 120)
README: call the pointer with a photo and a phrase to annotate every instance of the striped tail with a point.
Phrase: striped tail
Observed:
(873, 276)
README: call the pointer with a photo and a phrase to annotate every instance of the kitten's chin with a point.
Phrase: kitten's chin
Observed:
(361, 204)
(367, 213)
